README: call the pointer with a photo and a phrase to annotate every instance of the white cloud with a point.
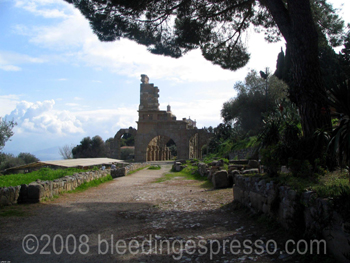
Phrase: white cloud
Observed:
(10, 68)
(37, 7)
(70, 32)
(126, 57)
(8, 103)
(8, 59)
(73, 104)
(40, 117)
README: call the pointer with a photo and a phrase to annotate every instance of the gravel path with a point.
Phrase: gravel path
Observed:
(137, 216)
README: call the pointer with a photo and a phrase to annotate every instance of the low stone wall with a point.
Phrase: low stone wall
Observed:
(293, 211)
(9, 195)
(38, 190)
(115, 173)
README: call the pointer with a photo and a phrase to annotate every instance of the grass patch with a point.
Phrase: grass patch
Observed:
(92, 183)
(139, 169)
(10, 211)
(48, 199)
(188, 173)
(44, 174)
(154, 167)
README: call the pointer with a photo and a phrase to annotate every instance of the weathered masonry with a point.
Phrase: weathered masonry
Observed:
(156, 128)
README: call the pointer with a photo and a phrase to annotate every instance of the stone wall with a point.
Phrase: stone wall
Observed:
(39, 190)
(9, 195)
(303, 211)
(125, 170)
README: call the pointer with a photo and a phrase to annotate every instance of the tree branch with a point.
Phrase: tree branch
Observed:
(280, 14)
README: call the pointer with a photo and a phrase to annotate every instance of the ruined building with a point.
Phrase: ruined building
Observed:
(156, 128)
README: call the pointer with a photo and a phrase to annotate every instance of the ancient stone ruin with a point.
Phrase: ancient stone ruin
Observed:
(156, 128)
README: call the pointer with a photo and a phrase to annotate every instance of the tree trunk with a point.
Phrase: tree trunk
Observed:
(305, 81)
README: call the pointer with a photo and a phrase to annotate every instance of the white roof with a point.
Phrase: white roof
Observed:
(79, 162)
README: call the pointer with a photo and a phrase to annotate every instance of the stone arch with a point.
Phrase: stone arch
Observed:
(204, 139)
(157, 149)
(143, 140)
(153, 122)
(117, 139)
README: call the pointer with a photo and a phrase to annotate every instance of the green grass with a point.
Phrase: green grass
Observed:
(44, 174)
(92, 183)
(139, 169)
(11, 211)
(189, 173)
(17, 211)
(154, 167)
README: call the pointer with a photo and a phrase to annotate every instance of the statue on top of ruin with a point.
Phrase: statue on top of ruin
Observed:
(144, 79)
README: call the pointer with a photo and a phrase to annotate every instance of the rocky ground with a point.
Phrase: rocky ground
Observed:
(171, 221)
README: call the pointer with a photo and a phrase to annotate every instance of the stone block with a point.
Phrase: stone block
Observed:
(203, 169)
(257, 200)
(250, 171)
(35, 192)
(220, 179)
(119, 172)
(238, 194)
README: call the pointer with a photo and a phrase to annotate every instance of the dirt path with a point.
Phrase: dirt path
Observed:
(134, 213)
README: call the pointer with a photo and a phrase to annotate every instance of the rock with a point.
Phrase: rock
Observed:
(250, 171)
(284, 169)
(220, 179)
(231, 176)
(203, 169)
(178, 166)
(253, 164)
(35, 192)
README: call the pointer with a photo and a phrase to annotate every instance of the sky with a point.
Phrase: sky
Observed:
(61, 84)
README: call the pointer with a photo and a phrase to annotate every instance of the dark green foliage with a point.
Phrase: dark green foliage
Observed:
(340, 142)
(172, 147)
(90, 148)
(245, 110)
(126, 153)
(9, 160)
(127, 139)
(282, 143)
(5, 131)
(28, 158)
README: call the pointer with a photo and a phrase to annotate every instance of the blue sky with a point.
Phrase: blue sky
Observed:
(60, 84)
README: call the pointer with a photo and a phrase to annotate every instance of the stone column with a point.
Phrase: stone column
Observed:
(167, 153)
(149, 153)
(153, 153)
(156, 153)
